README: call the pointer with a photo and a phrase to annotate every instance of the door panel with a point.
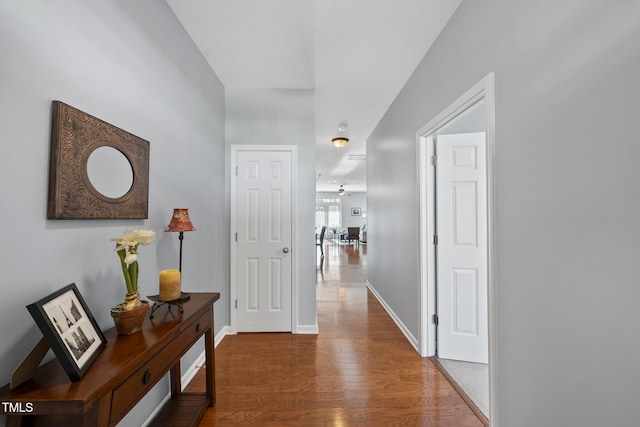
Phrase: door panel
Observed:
(461, 217)
(264, 210)
(465, 213)
(464, 286)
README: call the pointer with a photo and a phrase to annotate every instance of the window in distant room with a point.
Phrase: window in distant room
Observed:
(329, 213)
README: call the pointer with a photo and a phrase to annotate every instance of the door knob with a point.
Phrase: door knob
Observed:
(285, 250)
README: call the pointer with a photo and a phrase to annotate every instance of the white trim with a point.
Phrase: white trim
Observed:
(427, 335)
(403, 328)
(296, 244)
(155, 412)
(294, 237)
(492, 271)
(484, 89)
(200, 361)
(233, 259)
(226, 330)
(307, 329)
(191, 372)
(186, 377)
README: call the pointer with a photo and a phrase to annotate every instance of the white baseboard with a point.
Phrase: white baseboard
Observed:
(407, 333)
(226, 330)
(307, 329)
(191, 372)
(200, 361)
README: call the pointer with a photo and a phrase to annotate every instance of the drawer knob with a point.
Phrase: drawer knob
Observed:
(147, 376)
(198, 327)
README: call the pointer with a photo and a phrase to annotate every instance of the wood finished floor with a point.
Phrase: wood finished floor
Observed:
(358, 371)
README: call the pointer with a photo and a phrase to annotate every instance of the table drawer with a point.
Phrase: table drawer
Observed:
(139, 383)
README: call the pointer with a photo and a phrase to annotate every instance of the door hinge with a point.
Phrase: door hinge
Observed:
(236, 303)
(435, 239)
(236, 236)
(434, 160)
(435, 319)
(236, 170)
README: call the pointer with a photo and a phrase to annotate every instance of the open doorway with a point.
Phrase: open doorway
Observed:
(455, 154)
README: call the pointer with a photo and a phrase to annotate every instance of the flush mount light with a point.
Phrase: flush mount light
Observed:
(340, 142)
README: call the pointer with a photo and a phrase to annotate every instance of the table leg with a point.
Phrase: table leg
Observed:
(210, 365)
(176, 381)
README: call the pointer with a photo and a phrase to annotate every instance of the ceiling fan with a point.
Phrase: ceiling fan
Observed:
(341, 192)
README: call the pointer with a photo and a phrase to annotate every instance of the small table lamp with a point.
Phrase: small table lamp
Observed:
(180, 222)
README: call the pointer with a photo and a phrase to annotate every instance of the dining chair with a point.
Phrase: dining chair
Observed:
(320, 240)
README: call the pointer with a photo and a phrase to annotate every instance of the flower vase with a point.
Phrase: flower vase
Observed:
(129, 315)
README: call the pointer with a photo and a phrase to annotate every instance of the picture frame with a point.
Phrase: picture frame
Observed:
(356, 212)
(75, 136)
(69, 328)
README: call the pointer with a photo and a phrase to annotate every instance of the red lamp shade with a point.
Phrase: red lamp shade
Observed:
(180, 221)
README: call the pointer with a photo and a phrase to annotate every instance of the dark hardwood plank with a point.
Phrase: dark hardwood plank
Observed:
(358, 371)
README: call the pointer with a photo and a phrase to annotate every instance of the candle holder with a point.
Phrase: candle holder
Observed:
(170, 291)
(157, 303)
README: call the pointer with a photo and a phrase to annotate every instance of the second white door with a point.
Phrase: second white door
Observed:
(264, 237)
(461, 218)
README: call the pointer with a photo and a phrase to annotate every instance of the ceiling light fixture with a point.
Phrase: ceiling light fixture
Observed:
(340, 142)
(341, 191)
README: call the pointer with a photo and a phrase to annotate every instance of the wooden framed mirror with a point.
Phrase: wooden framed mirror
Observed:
(96, 170)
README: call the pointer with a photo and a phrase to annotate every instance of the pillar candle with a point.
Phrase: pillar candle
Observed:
(169, 285)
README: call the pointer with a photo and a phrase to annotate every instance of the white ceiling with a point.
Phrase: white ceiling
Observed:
(355, 54)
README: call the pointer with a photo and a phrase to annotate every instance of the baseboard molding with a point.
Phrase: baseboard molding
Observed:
(191, 372)
(407, 333)
(226, 330)
(200, 361)
(308, 329)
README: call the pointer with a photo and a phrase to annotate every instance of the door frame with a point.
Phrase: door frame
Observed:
(233, 292)
(484, 89)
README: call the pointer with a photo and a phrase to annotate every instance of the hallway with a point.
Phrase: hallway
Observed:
(358, 371)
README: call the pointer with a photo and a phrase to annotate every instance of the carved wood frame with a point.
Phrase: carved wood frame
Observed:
(74, 136)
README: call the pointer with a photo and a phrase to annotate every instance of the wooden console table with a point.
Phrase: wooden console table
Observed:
(122, 374)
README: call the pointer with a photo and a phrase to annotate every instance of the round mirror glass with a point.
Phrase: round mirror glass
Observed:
(110, 172)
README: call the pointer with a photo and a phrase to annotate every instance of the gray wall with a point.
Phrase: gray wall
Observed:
(567, 205)
(283, 117)
(132, 65)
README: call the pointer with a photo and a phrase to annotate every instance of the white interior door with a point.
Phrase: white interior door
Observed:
(461, 223)
(264, 237)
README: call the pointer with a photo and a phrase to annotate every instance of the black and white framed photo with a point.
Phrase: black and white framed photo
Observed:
(356, 212)
(69, 328)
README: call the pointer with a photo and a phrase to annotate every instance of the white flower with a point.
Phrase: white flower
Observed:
(142, 237)
(127, 250)
(130, 258)
(133, 238)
